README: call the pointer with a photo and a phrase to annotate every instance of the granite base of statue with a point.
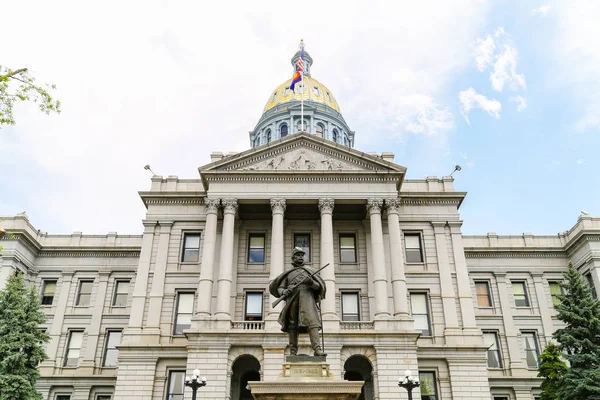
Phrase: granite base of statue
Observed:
(303, 377)
(306, 377)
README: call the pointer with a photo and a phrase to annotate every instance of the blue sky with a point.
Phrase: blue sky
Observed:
(509, 90)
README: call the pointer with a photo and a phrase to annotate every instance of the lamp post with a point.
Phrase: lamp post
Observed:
(408, 382)
(195, 382)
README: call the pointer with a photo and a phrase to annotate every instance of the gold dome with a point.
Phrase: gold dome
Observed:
(317, 92)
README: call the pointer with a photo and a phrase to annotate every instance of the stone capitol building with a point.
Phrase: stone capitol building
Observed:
(129, 316)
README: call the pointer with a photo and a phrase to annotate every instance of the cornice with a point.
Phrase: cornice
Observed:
(90, 253)
(514, 254)
(175, 197)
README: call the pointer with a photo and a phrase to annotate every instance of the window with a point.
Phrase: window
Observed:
(301, 127)
(183, 312)
(501, 398)
(191, 247)
(48, 292)
(254, 306)
(284, 130)
(420, 312)
(482, 289)
(111, 352)
(63, 397)
(176, 385)
(320, 130)
(103, 397)
(302, 240)
(347, 248)
(85, 293)
(329, 96)
(555, 291)
(73, 348)
(493, 353)
(256, 248)
(428, 385)
(590, 281)
(414, 253)
(520, 294)
(316, 90)
(350, 306)
(274, 96)
(346, 139)
(531, 349)
(334, 136)
(121, 293)
(268, 135)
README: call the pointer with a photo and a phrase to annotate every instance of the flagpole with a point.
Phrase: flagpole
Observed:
(302, 81)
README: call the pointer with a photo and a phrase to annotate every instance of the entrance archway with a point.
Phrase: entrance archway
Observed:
(246, 368)
(358, 368)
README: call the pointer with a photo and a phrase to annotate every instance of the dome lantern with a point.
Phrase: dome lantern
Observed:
(307, 59)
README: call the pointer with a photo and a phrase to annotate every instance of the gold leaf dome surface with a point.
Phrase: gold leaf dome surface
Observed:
(316, 92)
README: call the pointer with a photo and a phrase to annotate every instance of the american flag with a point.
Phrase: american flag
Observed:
(300, 66)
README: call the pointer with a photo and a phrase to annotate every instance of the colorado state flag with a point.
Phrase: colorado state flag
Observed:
(295, 79)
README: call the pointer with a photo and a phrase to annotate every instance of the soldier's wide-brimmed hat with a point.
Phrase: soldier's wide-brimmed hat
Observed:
(298, 250)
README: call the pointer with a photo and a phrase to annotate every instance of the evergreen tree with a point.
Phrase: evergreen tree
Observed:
(552, 368)
(579, 340)
(21, 340)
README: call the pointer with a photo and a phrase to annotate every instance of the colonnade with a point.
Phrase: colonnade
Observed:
(379, 276)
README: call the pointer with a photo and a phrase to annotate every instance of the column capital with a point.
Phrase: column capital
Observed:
(326, 205)
(229, 205)
(278, 206)
(211, 205)
(392, 204)
(374, 205)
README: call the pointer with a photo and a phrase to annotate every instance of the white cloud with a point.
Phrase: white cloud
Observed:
(499, 53)
(470, 99)
(170, 82)
(542, 11)
(580, 161)
(468, 162)
(521, 102)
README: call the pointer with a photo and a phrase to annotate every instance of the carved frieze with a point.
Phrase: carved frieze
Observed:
(302, 159)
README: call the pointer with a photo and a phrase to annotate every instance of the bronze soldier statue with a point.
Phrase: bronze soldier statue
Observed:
(301, 313)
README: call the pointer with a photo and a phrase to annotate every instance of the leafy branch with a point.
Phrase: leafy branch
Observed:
(17, 85)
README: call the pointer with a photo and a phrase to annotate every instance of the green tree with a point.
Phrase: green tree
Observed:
(21, 340)
(579, 340)
(17, 85)
(552, 368)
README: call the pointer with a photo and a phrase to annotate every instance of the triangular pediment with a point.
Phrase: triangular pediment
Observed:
(302, 152)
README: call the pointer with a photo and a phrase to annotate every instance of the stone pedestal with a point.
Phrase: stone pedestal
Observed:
(306, 378)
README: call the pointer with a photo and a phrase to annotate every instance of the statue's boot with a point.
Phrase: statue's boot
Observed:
(315, 340)
(293, 343)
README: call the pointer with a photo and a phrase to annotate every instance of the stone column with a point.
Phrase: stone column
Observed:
(512, 337)
(277, 261)
(207, 266)
(226, 268)
(379, 277)
(396, 259)
(94, 327)
(465, 296)
(328, 274)
(138, 299)
(447, 289)
(157, 292)
(544, 304)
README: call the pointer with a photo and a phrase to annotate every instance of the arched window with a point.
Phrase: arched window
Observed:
(316, 90)
(286, 91)
(320, 128)
(268, 135)
(284, 130)
(257, 140)
(274, 96)
(246, 368)
(358, 368)
(334, 136)
(345, 139)
(301, 127)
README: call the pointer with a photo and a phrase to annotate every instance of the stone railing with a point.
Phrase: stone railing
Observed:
(248, 325)
(356, 325)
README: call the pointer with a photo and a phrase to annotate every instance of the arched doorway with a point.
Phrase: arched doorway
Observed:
(246, 368)
(359, 368)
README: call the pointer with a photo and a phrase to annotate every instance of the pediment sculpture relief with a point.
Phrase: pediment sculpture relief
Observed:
(302, 160)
